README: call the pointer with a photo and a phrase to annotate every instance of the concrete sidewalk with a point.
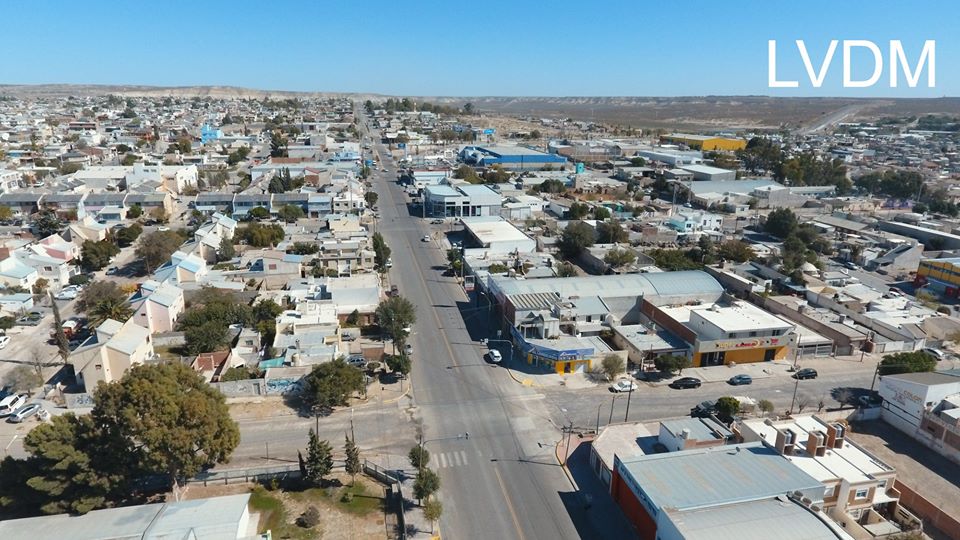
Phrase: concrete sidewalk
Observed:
(598, 516)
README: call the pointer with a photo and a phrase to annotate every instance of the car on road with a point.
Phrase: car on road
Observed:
(437, 222)
(24, 412)
(389, 263)
(805, 373)
(895, 291)
(68, 293)
(623, 385)
(112, 271)
(851, 265)
(426, 238)
(4, 341)
(163, 229)
(738, 380)
(704, 409)
(686, 382)
(936, 353)
(495, 356)
(10, 404)
(408, 349)
(32, 319)
(357, 360)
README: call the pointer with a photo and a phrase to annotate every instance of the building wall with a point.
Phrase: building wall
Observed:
(644, 524)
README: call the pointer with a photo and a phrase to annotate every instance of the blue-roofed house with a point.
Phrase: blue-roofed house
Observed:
(16, 273)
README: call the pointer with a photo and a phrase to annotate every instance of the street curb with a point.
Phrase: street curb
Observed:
(563, 464)
(401, 396)
(525, 382)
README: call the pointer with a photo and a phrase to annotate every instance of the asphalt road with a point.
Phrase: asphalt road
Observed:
(503, 480)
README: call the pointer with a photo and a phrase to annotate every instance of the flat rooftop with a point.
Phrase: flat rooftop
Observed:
(755, 520)
(625, 440)
(848, 462)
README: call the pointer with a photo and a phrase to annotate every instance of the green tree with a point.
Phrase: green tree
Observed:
(290, 213)
(781, 222)
(601, 213)
(259, 213)
(381, 252)
(497, 268)
(331, 384)
(211, 336)
(766, 406)
(907, 362)
(619, 257)
(96, 255)
(114, 308)
(419, 457)
(278, 144)
(158, 214)
(226, 251)
(46, 223)
(673, 260)
(395, 315)
(736, 250)
(670, 363)
(23, 379)
(426, 484)
(727, 408)
(128, 235)
(98, 291)
(156, 248)
(67, 469)
(611, 232)
(237, 373)
(371, 198)
(399, 363)
(6, 213)
(574, 239)
(578, 211)
(432, 510)
(168, 418)
(134, 211)
(611, 366)
(565, 270)
(319, 461)
(7, 322)
(352, 463)
(260, 235)
(59, 336)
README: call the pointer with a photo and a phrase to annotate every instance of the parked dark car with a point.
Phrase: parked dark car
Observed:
(686, 382)
(738, 380)
(805, 373)
(704, 409)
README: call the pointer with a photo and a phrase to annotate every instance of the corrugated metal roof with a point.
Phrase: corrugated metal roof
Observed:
(754, 520)
(614, 286)
(704, 477)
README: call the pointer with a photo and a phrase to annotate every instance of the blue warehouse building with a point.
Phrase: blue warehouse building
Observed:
(510, 157)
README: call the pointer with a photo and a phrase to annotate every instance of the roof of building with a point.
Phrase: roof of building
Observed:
(717, 475)
(201, 518)
(494, 229)
(930, 378)
(701, 429)
(848, 462)
(755, 520)
(739, 317)
(612, 286)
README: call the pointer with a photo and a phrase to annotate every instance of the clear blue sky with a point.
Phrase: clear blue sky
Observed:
(565, 47)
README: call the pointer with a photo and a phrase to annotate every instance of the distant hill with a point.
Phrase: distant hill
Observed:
(693, 112)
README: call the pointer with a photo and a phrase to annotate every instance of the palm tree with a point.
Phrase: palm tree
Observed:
(109, 308)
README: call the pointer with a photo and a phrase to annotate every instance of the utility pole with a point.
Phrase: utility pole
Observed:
(613, 401)
(630, 393)
(796, 385)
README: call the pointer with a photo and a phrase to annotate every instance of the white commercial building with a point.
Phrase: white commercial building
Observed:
(494, 235)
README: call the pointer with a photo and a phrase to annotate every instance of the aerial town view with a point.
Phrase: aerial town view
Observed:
(427, 270)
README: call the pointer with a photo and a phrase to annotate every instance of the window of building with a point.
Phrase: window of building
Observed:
(753, 334)
(829, 491)
(861, 493)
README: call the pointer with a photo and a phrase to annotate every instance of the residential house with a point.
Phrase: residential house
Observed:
(858, 488)
(344, 257)
(275, 268)
(208, 237)
(182, 268)
(113, 349)
(244, 202)
(21, 203)
(149, 202)
(16, 273)
(157, 306)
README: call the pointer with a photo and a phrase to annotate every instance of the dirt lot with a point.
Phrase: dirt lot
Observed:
(928, 473)
(362, 518)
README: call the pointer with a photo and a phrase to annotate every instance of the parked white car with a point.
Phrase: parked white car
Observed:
(623, 385)
(10, 404)
(68, 293)
(495, 356)
(4, 341)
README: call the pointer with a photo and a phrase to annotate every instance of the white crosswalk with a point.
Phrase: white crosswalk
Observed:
(447, 460)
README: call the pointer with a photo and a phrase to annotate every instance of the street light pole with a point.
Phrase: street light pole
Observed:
(796, 385)
(629, 394)
(613, 401)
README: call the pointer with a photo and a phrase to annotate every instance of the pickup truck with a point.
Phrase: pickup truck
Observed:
(33, 319)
